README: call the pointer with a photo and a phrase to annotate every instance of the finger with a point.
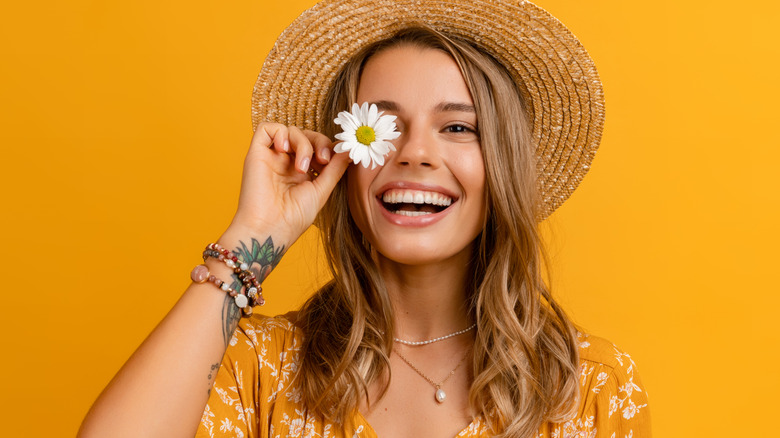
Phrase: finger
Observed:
(322, 146)
(330, 176)
(302, 148)
(271, 135)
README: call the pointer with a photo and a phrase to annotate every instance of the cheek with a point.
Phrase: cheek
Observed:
(471, 174)
(480, 198)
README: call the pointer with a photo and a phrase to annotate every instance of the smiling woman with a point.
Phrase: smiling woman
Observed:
(437, 321)
(438, 155)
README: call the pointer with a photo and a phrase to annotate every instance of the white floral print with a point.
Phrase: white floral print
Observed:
(255, 390)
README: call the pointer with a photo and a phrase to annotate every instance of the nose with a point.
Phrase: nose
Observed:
(416, 147)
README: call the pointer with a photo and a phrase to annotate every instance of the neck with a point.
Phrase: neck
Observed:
(429, 300)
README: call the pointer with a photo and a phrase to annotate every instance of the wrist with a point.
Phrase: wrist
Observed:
(239, 232)
(260, 253)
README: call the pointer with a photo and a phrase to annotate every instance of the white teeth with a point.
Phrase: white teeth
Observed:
(397, 196)
(412, 213)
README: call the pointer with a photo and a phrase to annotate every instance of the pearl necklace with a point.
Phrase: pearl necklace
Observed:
(431, 341)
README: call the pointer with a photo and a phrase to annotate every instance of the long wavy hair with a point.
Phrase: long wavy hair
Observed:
(525, 359)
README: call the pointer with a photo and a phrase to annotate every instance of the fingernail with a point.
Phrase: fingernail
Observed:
(286, 146)
(305, 165)
(325, 154)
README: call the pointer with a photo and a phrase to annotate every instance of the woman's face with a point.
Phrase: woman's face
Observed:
(427, 203)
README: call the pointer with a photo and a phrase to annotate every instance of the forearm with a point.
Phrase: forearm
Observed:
(164, 386)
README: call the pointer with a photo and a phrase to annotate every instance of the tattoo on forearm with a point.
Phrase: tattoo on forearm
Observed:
(261, 260)
(212, 375)
(231, 314)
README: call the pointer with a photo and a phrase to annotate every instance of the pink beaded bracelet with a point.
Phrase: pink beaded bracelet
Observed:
(241, 269)
(201, 274)
(250, 294)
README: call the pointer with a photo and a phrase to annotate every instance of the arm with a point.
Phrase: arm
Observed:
(163, 387)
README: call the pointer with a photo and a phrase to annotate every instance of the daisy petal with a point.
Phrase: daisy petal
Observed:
(347, 121)
(388, 145)
(355, 155)
(366, 159)
(362, 113)
(385, 124)
(372, 116)
(346, 136)
(379, 147)
(379, 159)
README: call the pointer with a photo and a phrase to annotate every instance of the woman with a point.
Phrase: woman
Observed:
(437, 322)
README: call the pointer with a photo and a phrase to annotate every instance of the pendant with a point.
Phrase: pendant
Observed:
(440, 395)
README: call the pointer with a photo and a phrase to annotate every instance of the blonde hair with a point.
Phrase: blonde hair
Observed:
(525, 359)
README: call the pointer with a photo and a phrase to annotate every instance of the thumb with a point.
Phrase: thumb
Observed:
(330, 176)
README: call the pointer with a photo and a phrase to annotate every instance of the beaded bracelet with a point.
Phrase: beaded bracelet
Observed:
(245, 301)
(201, 274)
(247, 277)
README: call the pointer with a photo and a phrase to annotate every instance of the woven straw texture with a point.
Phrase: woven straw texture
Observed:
(556, 76)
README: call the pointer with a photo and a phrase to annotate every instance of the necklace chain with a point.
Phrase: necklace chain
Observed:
(440, 394)
(431, 341)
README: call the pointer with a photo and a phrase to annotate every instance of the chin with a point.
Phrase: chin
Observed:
(414, 252)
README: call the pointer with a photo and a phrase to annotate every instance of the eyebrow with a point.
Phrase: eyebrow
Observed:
(455, 107)
(386, 105)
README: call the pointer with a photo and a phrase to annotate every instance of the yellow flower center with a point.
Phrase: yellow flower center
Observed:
(365, 135)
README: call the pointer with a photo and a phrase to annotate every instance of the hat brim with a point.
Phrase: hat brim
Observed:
(555, 75)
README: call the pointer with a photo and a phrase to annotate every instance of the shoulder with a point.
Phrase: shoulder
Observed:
(599, 351)
(605, 366)
(612, 396)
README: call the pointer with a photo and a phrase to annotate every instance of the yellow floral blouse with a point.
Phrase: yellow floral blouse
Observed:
(253, 395)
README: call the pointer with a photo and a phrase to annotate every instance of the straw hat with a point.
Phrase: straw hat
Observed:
(553, 71)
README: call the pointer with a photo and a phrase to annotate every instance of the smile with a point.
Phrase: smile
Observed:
(406, 202)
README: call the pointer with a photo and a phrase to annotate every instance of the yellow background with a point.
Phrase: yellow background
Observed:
(123, 129)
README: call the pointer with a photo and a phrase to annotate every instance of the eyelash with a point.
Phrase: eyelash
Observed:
(465, 129)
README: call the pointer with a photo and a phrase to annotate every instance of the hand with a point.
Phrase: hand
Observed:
(279, 196)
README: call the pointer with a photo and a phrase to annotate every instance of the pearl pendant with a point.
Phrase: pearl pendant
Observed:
(440, 395)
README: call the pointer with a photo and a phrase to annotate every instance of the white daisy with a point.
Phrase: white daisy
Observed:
(366, 134)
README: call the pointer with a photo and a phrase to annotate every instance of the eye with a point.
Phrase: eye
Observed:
(460, 128)
(461, 132)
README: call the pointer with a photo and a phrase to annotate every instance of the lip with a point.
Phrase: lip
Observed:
(414, 221)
